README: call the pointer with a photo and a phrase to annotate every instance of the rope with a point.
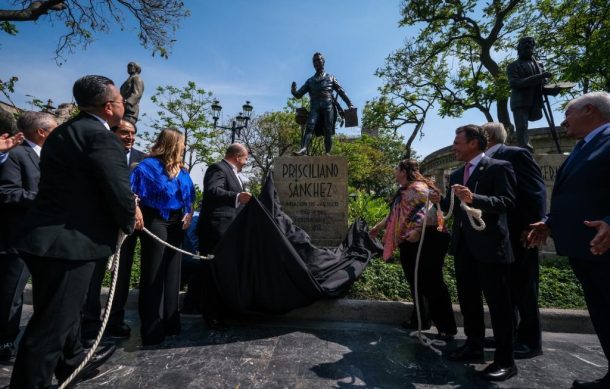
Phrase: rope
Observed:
(155, 237)
(476, 221)
(113, 267)
(114, 264)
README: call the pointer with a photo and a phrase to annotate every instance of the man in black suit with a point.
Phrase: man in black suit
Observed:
(223, 198)
(84, 199)
(530, 206)
(482, 258)
(579, 218)
(18, 188)
(126, 132)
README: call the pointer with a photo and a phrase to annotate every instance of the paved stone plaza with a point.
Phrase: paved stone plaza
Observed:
(282, 353)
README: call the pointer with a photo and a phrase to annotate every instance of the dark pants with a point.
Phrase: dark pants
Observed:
(211, 305)
(51, 342)
(160, 277)
(521, 116)
(435, 301)
(493, 279)
(594, 277)
(320, 110)
(192, 278)
(13, 277)
(525, 280)
(92, 308)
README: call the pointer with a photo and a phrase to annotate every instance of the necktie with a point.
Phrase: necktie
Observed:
(467, 172)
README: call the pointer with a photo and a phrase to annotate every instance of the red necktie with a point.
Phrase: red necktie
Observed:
(467, 172)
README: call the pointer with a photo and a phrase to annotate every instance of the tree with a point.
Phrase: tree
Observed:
(371, 160)
(575, 36)
(269, 136)
(156, 20)
(187, 108)
(451, 60)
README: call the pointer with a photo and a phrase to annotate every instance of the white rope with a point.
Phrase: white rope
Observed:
(114, 265)
(197, 256)
(475, 216)
(476, 221)
(423, 339)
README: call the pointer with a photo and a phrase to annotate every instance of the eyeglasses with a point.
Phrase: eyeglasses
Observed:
(123, 101)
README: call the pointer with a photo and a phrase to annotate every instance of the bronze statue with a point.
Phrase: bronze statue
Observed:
(324, 107)
(526, 77)
(132, 90)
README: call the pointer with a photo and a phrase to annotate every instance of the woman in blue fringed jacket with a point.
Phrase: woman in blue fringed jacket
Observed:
(166, 195)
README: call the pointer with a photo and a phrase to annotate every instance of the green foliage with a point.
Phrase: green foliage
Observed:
(9, 28)
(371, 161)
(269, 136)
(187, 108)
(559, 287)
(367, 207)
(8, 87)
(574, 35)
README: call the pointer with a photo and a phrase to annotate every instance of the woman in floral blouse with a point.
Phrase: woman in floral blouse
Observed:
(403, 228)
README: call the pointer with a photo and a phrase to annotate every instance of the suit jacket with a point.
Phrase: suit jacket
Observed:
(582, 192)
(526, 93)
(493, 184)
(530, 203)
(19, 178)
(220, 189)
(84, 195)
(135, 157)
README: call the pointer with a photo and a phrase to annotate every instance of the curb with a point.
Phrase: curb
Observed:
(391, 312)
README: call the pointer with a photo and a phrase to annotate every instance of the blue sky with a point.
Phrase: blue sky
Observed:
(240, 50)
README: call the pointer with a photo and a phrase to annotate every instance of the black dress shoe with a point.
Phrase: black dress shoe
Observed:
(121, 330)
(597, 384)
(496, 372)
(91, 368)
(523, 351)
(7, 351)
(467, 353)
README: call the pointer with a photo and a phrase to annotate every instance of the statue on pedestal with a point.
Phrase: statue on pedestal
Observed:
(526, 77)
(324, 108)
(132, 90)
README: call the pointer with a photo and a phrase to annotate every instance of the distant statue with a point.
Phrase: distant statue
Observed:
(526, 77)
(324, 108)
(132, 90)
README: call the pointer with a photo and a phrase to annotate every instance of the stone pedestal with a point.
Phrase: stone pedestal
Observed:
(549, 164)
(313, 192)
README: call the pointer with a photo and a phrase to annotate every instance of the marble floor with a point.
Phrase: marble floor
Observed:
(279, 353)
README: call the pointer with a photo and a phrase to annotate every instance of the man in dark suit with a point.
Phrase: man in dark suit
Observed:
(84, 199)
(530, 206)
(126, 132)
(223, 198)
(579, 218)
(526, 77)
(482, 258)
(18, 188)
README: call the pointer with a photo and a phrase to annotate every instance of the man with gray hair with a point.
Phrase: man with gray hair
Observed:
(84, 199)
(579, 218)
(530, 206)
(18, 187)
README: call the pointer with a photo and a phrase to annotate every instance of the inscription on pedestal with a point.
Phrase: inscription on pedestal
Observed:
(313, 192)
(549, 164)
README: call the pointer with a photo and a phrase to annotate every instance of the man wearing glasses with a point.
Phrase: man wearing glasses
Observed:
(84, 199)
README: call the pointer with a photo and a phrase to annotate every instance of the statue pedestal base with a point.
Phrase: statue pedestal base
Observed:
(313, 192)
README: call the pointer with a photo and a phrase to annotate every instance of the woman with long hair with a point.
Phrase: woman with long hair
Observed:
(403, 228)
(166, 196)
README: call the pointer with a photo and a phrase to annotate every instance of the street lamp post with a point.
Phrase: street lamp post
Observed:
(239, 122)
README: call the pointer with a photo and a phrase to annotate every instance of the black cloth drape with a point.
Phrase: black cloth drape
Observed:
(266, 264)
